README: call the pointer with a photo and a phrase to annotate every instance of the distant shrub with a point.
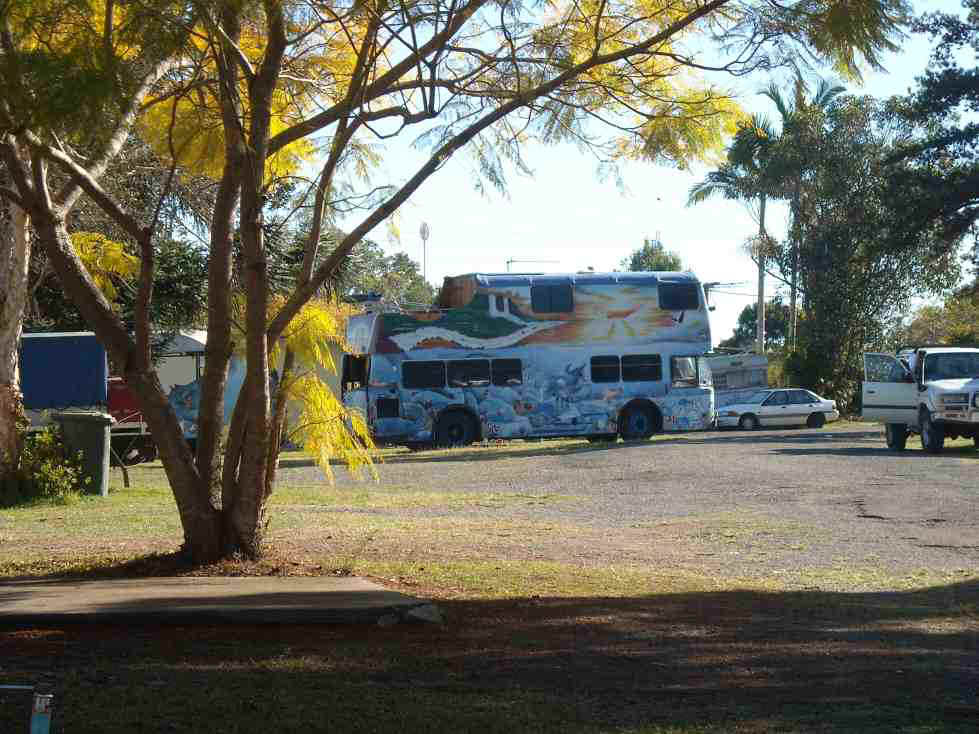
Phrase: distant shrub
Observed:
(48, 470)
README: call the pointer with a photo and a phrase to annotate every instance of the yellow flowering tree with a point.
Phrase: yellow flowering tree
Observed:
(256, 94)
(308, 408)
(106, 261)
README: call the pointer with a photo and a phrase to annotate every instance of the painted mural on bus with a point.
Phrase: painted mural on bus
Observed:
(524, 356)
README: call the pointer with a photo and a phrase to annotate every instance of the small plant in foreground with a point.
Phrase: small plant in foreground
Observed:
(48, 470)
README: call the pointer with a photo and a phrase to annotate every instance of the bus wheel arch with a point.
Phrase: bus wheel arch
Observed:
(640, 419)
(456, 425)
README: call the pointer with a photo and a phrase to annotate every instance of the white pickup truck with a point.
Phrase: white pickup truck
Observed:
(932, 391)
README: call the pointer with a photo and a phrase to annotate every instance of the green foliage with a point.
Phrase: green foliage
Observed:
(652, 257)
(777, 376)
(936, 169)
(859, 264)
(848, 34)
(956, 322)
(61, 50)
(777, 318)
(748, 172)
(179, 294)
(48, 471)
(395, 277)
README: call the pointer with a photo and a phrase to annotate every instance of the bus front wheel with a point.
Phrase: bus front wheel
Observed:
(638, 423)
(454, 428)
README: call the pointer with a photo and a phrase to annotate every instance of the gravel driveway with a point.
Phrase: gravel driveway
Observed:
(827, 507)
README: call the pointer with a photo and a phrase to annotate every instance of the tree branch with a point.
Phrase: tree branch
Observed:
(379, 86)
(303, 293)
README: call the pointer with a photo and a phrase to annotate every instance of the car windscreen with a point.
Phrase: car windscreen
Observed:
(952, 366)
(755, 397)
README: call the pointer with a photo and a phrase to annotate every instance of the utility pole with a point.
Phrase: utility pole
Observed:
(762, 252)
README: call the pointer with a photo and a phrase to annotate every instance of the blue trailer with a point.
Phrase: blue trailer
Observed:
(62, 370)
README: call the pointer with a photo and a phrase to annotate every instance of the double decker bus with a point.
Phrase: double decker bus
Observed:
(533, 356)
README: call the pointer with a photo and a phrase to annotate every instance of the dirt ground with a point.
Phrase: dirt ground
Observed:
(789, 505)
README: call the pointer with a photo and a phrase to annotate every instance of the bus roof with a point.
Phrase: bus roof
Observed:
(504, 280)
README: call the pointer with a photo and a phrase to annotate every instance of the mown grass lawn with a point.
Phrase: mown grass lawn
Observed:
(536, 645)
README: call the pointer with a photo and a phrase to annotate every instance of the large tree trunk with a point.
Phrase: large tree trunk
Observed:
(210, 415)
(248, 449)
(201, 521)
(15, 256)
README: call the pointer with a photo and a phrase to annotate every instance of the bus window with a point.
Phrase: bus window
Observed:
(507, 372)
(605, 369)
(704, 373)
(642, 367)
(423, 375)
(552, 298)
(354, 372)
(679, 296)
(684, 371)
(468, 373)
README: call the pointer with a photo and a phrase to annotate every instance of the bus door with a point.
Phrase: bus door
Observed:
(691, 395)
(353, 382)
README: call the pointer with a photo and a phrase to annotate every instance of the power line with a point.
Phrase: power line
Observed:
(734, 293)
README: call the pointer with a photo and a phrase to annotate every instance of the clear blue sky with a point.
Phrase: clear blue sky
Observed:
(566, 214)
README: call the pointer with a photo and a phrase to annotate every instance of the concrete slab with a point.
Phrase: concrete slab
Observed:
(203, 599)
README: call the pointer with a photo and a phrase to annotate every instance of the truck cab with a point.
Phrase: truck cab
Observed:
(932, 391)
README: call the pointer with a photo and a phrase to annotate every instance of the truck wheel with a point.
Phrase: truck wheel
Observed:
(638, 423)
(896, 435)
(454, 428)
(932, 436)
(748, 422)
(816, 420)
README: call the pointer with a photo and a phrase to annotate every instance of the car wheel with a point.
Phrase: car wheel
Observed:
(816, 420)
(454, 428)
(638, 424)
(748, 422)
(896, 435)
(932, 436)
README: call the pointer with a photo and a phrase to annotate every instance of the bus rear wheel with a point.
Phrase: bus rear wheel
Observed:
(638, 423)
(454, 428)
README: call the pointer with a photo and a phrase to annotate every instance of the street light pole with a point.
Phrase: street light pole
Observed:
(424, 231)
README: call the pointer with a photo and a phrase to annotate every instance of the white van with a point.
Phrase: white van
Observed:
(931, 390)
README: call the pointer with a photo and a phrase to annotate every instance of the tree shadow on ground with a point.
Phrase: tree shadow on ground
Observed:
(680, 662)
(570, 447)
(961, 452)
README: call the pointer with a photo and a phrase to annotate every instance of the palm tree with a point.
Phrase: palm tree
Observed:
(799, 115)
(747, 175)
